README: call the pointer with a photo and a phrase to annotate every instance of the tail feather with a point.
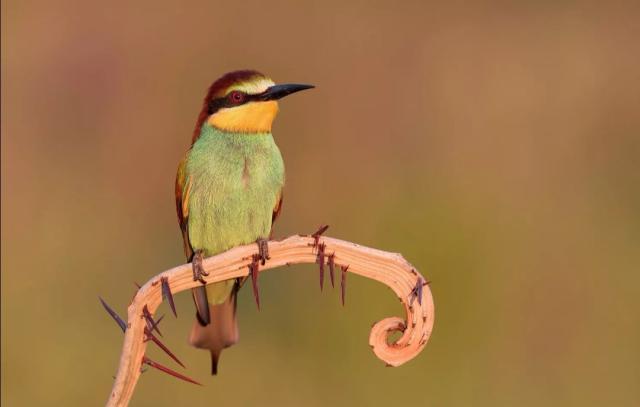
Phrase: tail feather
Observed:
(214, 362)
(221, 333)
(202, 304)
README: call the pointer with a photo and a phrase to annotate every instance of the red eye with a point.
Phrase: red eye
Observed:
(236, 97)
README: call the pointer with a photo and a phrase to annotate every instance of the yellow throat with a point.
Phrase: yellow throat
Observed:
(253, 117)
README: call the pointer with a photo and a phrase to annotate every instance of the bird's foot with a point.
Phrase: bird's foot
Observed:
(198, 268)
(263, 250)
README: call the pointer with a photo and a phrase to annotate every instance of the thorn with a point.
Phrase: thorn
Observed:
(133, 297)
(416, 292)
(316, 235)
(167, 295)
(343, 283)
(113, 314)
(151, 336)
(165, 369)
(253, 272)
(320, 262)
(151, 324)
(136, 293)
(332, 263)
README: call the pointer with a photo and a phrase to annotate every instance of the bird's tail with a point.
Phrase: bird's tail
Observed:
(220, 333)
(201, 301)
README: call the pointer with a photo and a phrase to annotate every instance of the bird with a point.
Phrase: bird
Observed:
(228, 192)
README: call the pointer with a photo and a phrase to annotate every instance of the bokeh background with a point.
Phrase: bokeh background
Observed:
(495, 144)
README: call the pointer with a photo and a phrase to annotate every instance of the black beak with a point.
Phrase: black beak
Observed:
(279, 91)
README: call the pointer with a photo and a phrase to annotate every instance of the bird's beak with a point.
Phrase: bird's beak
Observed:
(279, 91)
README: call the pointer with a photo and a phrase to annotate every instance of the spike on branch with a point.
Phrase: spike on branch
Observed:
(168, 295)
(343, 283)
(416, 292)
(331, 262)
(134, 294)
(114, 315)
(158, 323)
(320, 262)
(316, 235)
(150, 336)
(387, 268)
(168, 371)
(151, 324)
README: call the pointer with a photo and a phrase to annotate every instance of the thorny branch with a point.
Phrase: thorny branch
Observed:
(390, 269)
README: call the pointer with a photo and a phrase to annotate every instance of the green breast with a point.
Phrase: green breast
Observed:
(236, 179)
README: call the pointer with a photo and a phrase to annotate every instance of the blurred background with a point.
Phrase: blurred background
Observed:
(496, 145)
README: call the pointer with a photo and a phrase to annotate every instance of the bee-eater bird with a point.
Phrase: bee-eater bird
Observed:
(229, 192)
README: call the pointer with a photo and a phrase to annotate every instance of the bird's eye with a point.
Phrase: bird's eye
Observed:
(236, 97)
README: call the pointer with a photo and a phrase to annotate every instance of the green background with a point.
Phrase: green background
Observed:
(496, 145)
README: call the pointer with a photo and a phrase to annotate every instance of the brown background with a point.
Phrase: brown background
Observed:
(494, 144)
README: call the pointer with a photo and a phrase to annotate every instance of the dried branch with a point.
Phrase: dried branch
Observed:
(390, 269)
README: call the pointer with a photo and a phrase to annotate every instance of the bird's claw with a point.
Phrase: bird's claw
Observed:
(198, 269)
(263, 250)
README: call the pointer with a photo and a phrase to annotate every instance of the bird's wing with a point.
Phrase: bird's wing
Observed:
(277, 208)
(183, 189)
(276, 211)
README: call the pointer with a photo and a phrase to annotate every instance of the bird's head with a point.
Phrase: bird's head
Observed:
(243, 102)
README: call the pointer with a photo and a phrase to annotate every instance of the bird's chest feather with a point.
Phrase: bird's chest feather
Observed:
(235, 182)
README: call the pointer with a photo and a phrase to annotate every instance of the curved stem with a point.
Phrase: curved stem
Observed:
(390, 269)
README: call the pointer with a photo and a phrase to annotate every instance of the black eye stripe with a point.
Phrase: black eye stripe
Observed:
(216, 104)
(220, 103)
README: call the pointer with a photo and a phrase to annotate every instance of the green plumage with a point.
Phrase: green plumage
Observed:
(233, 182)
